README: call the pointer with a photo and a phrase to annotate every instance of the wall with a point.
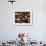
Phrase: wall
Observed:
(9, 31)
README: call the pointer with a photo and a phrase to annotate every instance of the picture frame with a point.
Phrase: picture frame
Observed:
(23, 14)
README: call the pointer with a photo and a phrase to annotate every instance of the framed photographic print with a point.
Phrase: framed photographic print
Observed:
(23, 17)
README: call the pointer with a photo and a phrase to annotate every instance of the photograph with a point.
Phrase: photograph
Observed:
(23, 17)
